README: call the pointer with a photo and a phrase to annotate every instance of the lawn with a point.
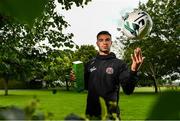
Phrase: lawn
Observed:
(139, 105)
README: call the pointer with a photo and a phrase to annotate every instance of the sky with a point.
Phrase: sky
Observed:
(98, 15)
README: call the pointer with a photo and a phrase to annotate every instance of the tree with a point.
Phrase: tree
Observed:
(22, 48)
(85, 53)
(58, 67)
(27, 11)
(60, 62)
(162, 47)
(14, 64)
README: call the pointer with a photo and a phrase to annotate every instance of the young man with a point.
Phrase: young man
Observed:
(103, 76)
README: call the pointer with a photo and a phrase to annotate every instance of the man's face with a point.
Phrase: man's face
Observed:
(104, 42)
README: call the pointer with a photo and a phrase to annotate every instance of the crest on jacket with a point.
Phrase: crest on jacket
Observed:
(109, 70)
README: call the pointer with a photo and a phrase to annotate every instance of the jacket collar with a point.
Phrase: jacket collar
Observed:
(111, 55)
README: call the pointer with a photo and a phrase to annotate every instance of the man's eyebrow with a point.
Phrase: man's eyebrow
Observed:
(104, 39)
(108, 38)
(100, 39)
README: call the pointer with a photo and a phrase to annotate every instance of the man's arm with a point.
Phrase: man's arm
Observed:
(128, 79)
(86, 76)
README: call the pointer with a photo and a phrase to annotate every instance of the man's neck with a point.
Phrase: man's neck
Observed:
(104, 53)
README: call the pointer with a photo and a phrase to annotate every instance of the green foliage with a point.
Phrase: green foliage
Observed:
(24, 11)
(25, 50)
(85, 53)
(104, 113)
(27, 11)
(59, 65)
(59, 62)
(14, 84)
(68, 4)
(103, 109)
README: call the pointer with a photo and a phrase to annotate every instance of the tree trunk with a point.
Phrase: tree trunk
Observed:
(6, 87)
(155, 85)
(66, 79)
(153, 75)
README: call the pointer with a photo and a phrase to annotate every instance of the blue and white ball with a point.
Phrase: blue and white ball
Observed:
(137, 24)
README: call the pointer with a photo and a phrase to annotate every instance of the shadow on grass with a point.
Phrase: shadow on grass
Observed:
(167, 106)
(145, 93)
(141, 94)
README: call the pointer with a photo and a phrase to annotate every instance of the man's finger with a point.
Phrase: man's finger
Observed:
(140, 54)
(133, 58)
(135, 55)
(140, 59)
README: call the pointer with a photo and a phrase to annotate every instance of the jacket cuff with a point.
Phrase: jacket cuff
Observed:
(134, 73)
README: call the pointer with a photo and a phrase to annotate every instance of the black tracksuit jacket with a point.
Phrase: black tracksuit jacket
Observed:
(103, 76)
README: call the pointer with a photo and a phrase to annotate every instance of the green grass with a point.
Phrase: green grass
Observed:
(139, 105)
(60, 104)
(145, 104)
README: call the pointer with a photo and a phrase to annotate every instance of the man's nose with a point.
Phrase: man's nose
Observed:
(105, 42)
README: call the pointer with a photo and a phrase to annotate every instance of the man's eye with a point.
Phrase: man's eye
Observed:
(107, 40)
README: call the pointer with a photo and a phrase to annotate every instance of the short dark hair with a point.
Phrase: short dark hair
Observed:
(103, 32)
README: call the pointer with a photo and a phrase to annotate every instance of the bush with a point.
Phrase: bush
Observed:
(35, 84)
(13, 84)
(29, 112)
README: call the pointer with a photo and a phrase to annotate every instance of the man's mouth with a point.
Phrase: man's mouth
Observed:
(105, 47)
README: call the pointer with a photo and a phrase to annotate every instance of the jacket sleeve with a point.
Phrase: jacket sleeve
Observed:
(86, 76)
(128, 79)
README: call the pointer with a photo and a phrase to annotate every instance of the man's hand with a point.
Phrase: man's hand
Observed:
(72, 76)
(137, 59)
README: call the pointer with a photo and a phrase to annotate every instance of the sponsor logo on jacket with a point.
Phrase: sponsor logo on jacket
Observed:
(92, 69)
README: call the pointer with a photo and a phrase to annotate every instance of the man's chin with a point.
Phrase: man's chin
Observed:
(105, 51)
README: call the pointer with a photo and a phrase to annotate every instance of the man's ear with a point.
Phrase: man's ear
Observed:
(97, 43)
